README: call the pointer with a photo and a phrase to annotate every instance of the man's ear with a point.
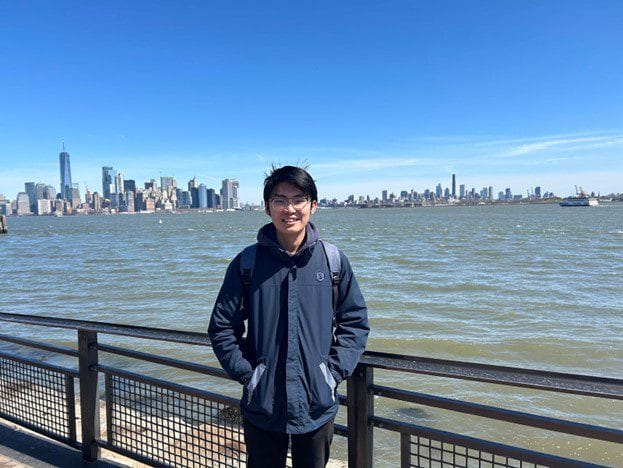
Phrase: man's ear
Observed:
(314, 206)
(267, 210)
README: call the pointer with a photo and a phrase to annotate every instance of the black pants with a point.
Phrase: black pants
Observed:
(267, 449)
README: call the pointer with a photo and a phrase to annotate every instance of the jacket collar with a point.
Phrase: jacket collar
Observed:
(267, 236)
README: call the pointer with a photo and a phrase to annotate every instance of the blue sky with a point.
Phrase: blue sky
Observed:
(372, 95)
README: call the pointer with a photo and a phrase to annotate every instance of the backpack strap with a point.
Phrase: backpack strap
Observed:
(335, 267)
(247, 262)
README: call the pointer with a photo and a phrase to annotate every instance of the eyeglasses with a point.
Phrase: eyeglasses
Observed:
(281, 203)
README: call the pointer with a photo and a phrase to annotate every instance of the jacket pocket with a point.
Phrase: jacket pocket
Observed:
(258, 372)
(260, 391)
(328, 378)
(321, 390)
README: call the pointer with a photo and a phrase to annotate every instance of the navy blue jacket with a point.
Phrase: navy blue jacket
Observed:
(291, 360)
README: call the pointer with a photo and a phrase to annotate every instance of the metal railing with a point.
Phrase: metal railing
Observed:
(164, 423)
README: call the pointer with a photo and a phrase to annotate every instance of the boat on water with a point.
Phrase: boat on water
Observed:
(581, 199)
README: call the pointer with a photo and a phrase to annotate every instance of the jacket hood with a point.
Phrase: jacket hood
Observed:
(267, 236)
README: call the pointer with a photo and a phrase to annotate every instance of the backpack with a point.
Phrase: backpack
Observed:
(247, 262)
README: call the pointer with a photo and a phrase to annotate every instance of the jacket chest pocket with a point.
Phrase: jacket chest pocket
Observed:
(260, 390)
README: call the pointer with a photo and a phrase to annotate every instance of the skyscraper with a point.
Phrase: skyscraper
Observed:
(453, 185)
(129, 185)
(108, 181)
(32, 194)
(66, 184)
(49, 193)
(203, 196)
(165, 183)
(23, 204)
(119, 183)
(229, 194)
(211, 198)
(537, 192)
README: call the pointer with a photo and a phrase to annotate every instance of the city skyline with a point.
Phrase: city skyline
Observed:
(371, 97)
(112, 181)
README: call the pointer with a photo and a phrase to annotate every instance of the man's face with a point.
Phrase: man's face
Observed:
(289, 220)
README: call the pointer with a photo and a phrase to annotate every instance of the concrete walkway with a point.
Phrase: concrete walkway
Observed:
(21, 448)
(25, 449)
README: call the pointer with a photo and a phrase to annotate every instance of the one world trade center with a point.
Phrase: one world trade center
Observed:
(66, 185)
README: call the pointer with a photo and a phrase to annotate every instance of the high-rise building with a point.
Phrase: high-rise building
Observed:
(165, 183)
(119, 183)
(490, 192)
(192, 183)
(184, 199)
(49, 193)
(75, 196)
(194, 197)
(203, 196)
(40, 192)
(66, 184)
(97, 202)
(114, 200)
(384, 196)
(23, 204)
(129, 201)
(453, 185)
(129, 185)
(108, 181)
(229, 194)
(59, 205)
(537, 192)
(508, 194)
(32, 194)
(44, 207)
(438, 191)
(462, 191)
(211, 198)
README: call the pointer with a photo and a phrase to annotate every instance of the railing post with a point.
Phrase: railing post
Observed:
(89, 408)
(360, 408)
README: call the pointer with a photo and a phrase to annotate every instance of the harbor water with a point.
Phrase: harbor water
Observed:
(535, 286)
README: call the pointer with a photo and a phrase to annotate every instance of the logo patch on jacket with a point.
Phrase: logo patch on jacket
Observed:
(320, 276)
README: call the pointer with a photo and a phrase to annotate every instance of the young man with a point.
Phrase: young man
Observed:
(297, 348)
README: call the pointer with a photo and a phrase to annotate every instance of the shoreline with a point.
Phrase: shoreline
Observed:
(414, 205)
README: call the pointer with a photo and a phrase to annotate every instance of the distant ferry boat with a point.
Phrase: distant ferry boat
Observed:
(580, 199)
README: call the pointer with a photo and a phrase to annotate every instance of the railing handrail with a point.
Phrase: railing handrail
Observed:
(150, 333)
(598, 386)
(579, 384)
(359, 400)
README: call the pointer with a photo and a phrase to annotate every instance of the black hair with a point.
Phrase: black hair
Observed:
(294, 175)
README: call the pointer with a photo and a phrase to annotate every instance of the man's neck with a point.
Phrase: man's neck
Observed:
(291, 244)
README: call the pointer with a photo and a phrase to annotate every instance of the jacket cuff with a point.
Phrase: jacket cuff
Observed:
(338, 378)
(244, 378)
